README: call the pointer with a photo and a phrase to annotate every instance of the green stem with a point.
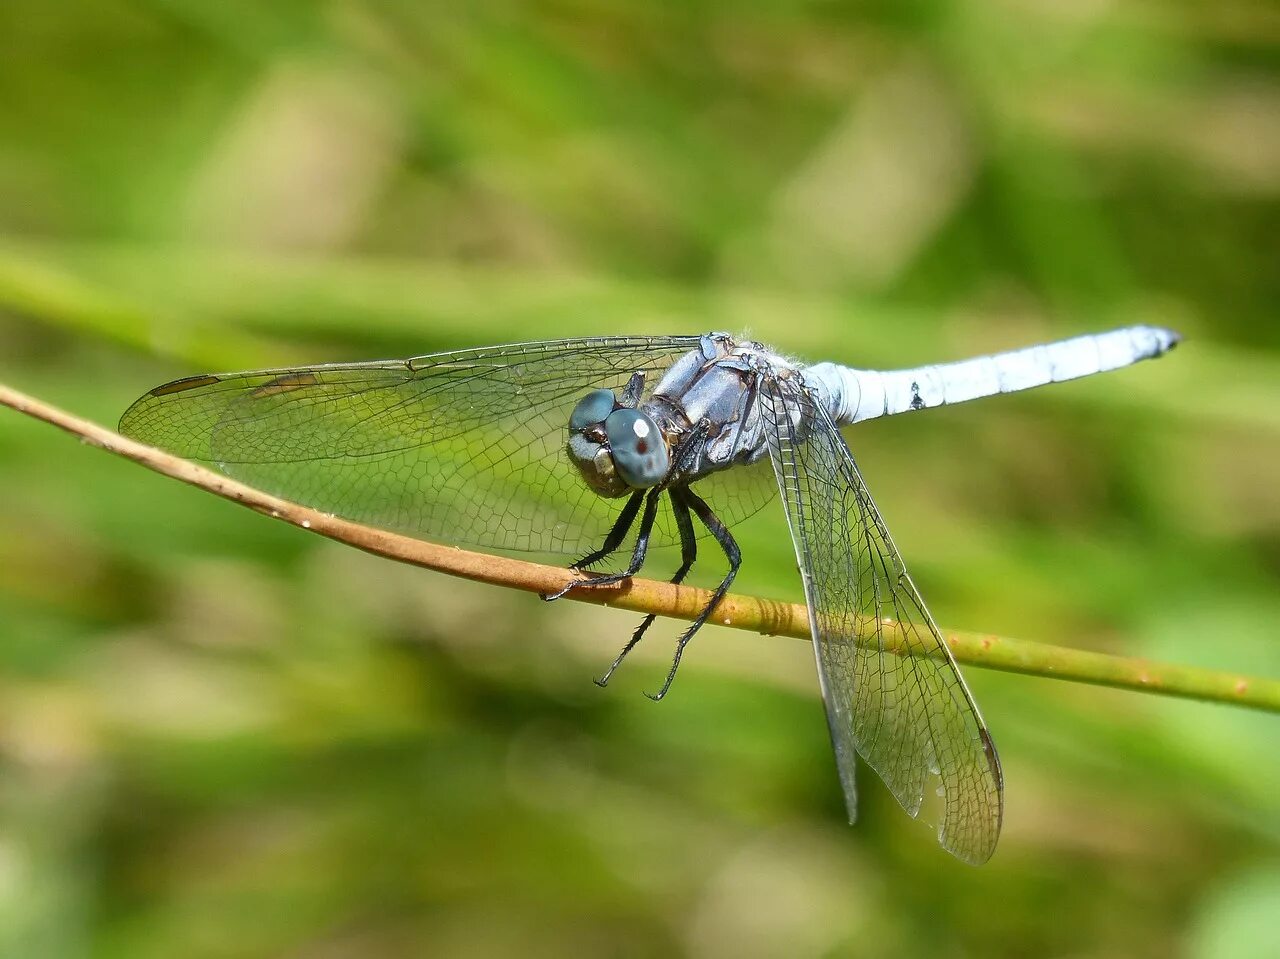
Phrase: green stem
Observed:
(770, 617)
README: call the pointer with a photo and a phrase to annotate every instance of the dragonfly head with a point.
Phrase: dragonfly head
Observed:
(616, 449)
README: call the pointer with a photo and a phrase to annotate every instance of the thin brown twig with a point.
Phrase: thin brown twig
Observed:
(770, 617)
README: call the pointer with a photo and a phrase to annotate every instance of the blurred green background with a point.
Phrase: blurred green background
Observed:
(221, 737)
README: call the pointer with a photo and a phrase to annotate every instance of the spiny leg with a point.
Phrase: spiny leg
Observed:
(621, 527)
(732, 553)
(637, 555)
(688, 554)
(685, 453)
(630, 397)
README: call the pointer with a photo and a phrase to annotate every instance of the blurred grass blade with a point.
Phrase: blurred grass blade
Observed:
(267, 303)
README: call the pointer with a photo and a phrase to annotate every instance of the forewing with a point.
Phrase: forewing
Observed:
(892, 691)
(467, 446)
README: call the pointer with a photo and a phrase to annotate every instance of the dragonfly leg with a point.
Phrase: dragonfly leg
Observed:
(732, 553)
(637, 555)
(688, 554)
(621, 527)
(630, 397)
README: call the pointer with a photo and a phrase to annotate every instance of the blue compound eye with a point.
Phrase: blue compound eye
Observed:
(638, 450)
(593, 408)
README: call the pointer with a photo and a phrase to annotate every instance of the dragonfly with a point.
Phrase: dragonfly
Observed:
(609, 446)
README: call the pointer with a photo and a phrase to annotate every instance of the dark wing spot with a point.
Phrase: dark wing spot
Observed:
(186, 383)
(916, 402)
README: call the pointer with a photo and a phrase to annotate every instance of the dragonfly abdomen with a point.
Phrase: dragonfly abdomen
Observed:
(855, 395)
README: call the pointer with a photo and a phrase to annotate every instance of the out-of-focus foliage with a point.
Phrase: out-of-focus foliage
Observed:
(224, 738)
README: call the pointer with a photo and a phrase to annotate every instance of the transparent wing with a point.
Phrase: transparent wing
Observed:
(466, 446)
(893, 696)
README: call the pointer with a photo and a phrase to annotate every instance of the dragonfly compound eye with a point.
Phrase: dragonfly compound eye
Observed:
(593, 408)
(639, 452)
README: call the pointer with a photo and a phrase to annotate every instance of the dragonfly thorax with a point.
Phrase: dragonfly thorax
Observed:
(616, 448)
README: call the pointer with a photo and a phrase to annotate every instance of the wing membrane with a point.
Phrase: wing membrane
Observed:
(892, 692)
(466, 446)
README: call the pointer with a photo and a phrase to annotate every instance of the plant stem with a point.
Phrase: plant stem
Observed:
(770, 617)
